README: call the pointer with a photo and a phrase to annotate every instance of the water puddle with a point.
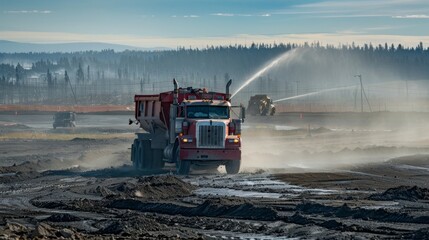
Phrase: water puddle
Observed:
(383, 205)
(248, 185)
(7, 174)
(228, 192)
(284, 128)
(248, 236)
(359, 130)
(411, 167)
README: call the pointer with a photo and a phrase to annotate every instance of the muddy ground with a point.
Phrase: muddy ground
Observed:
(337, 176)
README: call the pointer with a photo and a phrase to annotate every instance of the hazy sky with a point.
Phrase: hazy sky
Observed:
(197, 23)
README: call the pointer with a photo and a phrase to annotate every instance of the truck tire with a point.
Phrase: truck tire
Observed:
(146, 153)
(264, 111)
(182, 166)
(139, 155)
(157, 158)
(233, 167)
(133, 153)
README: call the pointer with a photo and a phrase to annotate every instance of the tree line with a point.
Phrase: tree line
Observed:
(128, 72)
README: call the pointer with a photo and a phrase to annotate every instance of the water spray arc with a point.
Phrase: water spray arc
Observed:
(286, 56)
(314, 93)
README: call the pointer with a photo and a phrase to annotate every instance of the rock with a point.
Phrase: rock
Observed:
(16, 227)
(67, 233)
(44, 230)
(402, 193)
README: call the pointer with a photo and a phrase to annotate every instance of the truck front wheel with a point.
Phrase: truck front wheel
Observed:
(233, 167)
(182, 166)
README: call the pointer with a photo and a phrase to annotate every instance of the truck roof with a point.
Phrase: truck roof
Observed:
(183, 95)
(206, 102)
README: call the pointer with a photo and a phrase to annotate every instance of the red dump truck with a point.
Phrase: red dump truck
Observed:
(187, 127)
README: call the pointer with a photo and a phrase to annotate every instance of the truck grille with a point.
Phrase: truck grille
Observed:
(211, 136)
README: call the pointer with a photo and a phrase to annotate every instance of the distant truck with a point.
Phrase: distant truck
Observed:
(187, 126)
(261, 105)
(64, 119)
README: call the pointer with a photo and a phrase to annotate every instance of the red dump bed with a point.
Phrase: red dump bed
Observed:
(156, 108)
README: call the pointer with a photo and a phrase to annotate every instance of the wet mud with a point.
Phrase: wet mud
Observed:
(371, 186)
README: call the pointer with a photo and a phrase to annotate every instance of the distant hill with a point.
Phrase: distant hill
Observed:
(18, 47)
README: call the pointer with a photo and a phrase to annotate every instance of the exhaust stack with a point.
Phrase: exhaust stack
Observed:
(228, 95)
(173, 112)
(175, 92)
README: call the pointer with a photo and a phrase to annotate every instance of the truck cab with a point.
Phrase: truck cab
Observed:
(208, 136)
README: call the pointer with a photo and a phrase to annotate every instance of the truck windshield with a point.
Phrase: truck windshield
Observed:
(212, 112)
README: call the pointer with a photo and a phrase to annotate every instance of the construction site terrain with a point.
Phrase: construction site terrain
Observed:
(303, 176)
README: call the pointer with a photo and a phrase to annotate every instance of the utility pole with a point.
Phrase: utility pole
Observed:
(355, 105)
(362, 92)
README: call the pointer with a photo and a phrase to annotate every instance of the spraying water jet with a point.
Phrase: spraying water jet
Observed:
(286, 56)
(314, 93)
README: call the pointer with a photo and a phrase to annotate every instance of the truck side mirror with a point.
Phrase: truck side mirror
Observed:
(243, 113)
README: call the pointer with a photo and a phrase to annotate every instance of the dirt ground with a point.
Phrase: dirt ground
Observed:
(309, 176)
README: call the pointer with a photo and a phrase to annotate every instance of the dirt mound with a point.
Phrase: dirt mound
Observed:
(422, 233)
(121, 171)
(402, 193)
(40, 231)
(78, 139)
(359, 213)
(84, 204)
(104, 192)
(23, 167)
(18, 176)
(15, 173)
(164, 186)
(245, 210)
(153, 187)
(297, 218)
(130, 224)
(209, 208)
(37, 163)
(62, 217)
(321, 130)
(46, 231)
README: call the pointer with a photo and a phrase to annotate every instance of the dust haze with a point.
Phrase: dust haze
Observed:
(345, 155)
(320, 142)
(391, 123)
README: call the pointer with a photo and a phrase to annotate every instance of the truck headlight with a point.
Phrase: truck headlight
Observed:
(187, 140)
(235, 140)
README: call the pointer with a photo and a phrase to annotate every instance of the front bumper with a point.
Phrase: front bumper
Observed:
(202, 154)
